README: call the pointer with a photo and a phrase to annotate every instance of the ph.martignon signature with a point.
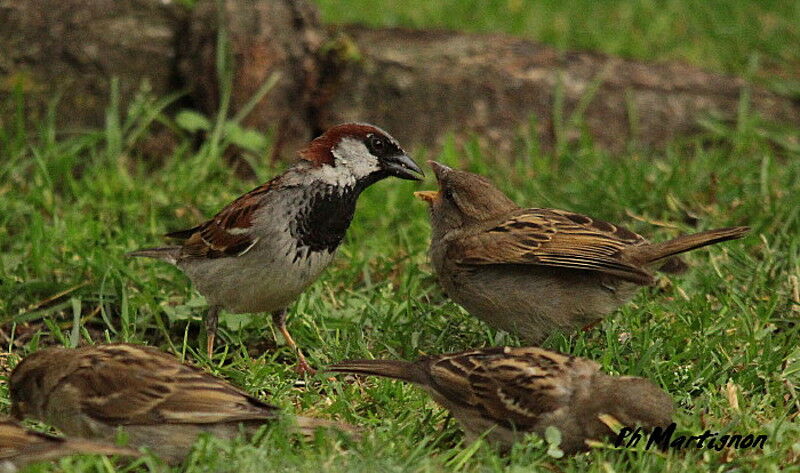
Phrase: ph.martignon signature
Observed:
(663, 439)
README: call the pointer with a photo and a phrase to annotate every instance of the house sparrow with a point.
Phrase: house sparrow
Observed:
(160, 402)
(20, 446)
(262, 250)
(538, 271)
(512, 391)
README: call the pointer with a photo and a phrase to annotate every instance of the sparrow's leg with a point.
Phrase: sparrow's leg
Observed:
(279, 319)
(211, 328)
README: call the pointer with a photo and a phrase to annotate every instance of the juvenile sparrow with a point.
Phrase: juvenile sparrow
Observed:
(509, 392)
(20, 447)
(538, 271)
(160, 402)
(262, 250)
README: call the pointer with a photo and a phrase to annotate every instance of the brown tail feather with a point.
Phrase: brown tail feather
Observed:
(394, 369)
(169, 254)
(657, 251)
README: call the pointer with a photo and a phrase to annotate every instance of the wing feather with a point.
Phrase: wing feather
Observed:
(126, 385)
(229, 233)
(554, 238)
(509, 386)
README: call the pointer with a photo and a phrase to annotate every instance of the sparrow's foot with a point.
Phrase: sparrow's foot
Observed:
(302, 367)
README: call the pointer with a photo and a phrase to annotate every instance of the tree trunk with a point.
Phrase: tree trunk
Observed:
(265, 38)
(71, 49)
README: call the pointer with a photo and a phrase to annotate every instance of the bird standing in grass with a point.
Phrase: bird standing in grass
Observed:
(260, 252)
(158, 401)
(538, 271)
(506, 393)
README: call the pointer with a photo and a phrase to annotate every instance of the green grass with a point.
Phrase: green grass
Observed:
(71, 206)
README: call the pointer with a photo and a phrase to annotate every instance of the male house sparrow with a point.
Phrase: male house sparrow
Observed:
(160, 402)
(538, 271)
(20, 446)
(262, 250)
(512, 391)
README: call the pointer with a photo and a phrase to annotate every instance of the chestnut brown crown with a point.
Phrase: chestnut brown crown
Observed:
(348, 142)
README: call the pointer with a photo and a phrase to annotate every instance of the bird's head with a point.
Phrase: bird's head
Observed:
(359, 153)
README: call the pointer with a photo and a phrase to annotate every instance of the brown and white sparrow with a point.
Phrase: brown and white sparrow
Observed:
(262, 250)
(160, 402)
(538, 271)
(507, 392)
(20, 447)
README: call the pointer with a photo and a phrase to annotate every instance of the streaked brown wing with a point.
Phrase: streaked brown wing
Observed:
(512, 387)
(228, 233)
(126, 384)
(554, 238)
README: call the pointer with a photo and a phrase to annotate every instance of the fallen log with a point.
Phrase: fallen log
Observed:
(418, 84)
(422, 84)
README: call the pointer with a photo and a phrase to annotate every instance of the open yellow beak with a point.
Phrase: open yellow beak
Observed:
(428, 196)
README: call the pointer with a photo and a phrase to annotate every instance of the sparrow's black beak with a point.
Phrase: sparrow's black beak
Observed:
(403, 167)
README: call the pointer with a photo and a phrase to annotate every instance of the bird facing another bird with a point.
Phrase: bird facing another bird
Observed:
(265, 248)
(532, 271)
(537, 271)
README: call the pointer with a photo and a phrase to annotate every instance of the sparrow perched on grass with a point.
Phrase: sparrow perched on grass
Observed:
(538, 271)
(262, 250)
(20, 447)
(160, 402)
(508, 392)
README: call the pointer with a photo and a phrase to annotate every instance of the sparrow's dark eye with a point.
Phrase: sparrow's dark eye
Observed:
(448, 194)
(376, 145)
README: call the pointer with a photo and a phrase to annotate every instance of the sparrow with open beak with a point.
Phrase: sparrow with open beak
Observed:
(537, 271)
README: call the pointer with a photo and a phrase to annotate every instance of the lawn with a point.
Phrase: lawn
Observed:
(722, 339)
